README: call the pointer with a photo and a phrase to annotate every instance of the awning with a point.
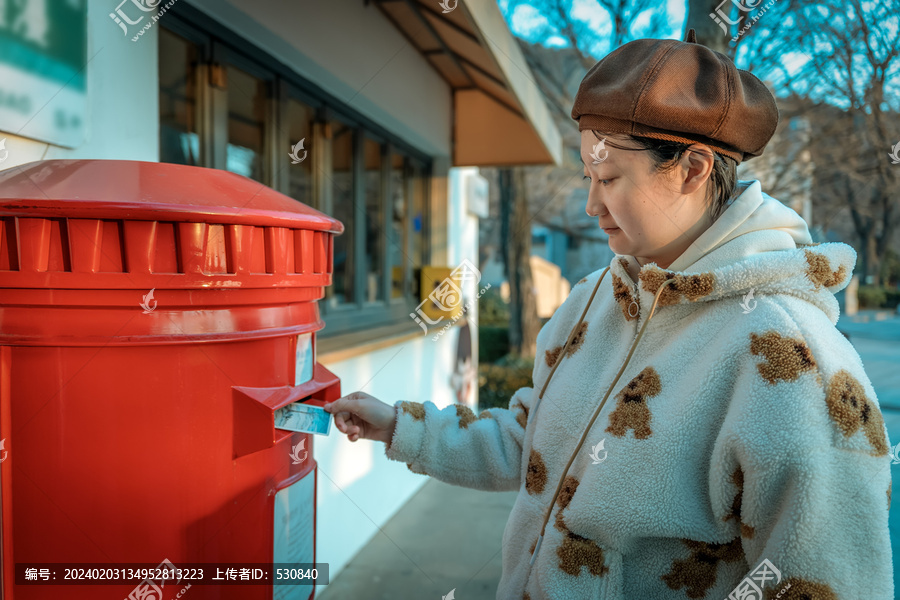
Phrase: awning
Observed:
(500, 117)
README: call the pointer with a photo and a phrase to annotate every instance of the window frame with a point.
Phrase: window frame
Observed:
(201, 79)
(362, 214)
(285, 91)
(226, 56)
(218, 46)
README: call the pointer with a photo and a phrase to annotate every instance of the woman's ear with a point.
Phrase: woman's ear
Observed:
(697, 163)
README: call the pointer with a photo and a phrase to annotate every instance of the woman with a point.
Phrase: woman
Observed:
(742, 453)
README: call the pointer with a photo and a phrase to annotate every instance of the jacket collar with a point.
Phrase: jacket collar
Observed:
(757, 246)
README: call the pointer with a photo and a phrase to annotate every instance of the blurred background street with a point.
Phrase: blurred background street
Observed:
(876, 336)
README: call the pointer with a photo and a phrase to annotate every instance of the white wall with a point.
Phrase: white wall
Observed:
(463, 244)
(122, 114)
(359, 488)
(463, 232)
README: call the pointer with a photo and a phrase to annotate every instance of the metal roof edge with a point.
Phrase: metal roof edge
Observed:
(499, 41)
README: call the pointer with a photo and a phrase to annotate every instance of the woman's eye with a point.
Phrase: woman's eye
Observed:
(586, 177)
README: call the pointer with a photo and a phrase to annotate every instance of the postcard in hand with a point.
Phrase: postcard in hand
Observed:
(305, 418)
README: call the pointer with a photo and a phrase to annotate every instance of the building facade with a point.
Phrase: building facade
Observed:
(375, 112)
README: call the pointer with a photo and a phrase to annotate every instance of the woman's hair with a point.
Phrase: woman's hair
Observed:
(665, 155)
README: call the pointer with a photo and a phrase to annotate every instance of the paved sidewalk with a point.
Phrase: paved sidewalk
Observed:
(892, 420)
(876, 336)
(446, 537)
(872, 324)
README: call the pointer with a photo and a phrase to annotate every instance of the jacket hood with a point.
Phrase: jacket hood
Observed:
(757, 246)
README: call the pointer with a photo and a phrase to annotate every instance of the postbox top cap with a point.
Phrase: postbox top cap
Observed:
(138, 190)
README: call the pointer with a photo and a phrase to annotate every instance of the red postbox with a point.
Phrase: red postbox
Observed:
(153, 317)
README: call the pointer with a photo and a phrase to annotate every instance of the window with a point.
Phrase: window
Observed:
(374, 190)
(418, 223)
(246, 124)
(227, 105)
(340, 187)
(300, 119)
(178, 135)
(398, 211)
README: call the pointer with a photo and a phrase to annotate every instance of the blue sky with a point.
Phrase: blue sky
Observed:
(526, 21)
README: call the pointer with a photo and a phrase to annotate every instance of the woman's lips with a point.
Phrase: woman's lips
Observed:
(610, 229)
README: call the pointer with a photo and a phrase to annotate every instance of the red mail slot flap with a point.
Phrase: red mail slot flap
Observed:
(321, 387)
(254, 408)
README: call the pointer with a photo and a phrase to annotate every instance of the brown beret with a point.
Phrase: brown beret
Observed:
(677, 91)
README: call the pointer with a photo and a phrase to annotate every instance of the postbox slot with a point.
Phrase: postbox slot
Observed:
(254, 409)
(9, 252)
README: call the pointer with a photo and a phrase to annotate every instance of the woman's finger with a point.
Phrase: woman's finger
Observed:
(349, 419)
(350, 403)
(345, 417)
(340, 421)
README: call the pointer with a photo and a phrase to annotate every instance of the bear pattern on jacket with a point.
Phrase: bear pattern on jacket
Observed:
(741, 428)
(631, 410)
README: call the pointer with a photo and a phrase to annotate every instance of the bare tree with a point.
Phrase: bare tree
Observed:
(839, 60)
(559, 20)
(524, 325)
(750, 32)
(709, 32)
(848, 62)
(532, 195)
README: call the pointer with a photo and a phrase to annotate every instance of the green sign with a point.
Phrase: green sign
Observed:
(43, 56)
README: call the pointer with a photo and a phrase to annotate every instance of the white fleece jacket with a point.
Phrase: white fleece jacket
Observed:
(742, 429)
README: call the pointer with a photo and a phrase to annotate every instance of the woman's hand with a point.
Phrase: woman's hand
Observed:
(360, 415)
